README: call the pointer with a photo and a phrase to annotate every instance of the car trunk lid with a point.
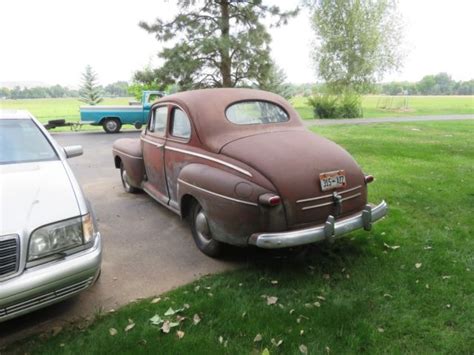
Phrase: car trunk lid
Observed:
(293, 161)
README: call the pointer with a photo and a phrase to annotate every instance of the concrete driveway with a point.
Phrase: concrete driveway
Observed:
(148, 249)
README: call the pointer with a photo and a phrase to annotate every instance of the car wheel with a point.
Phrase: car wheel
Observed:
(202, 234)
(111, 125)
(126, 184)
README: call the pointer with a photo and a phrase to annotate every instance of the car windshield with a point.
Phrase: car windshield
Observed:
(22, 141)
(255, 112)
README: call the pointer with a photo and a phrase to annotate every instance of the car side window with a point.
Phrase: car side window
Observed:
(158, 120)
(181, 127)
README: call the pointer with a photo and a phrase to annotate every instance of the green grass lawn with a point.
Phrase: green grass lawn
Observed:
(405, 287)
(417, 106)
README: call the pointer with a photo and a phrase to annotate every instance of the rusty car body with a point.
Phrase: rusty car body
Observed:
(241, 166)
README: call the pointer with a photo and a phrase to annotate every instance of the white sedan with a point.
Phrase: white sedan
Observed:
(50, 248)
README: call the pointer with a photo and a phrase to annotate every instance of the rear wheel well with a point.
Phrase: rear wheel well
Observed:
(117, 161)
(186, 205)
(110, 117)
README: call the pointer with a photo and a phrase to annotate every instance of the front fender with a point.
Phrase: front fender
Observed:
(128, 151)
(230, 202)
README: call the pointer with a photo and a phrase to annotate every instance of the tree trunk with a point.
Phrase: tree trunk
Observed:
(226, 65)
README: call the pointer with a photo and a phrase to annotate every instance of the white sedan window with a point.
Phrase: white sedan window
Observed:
(22, 141)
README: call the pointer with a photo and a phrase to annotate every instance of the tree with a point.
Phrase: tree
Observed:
(216, 43)
(357, 42)
(119, 88)
(274, 80)
(90, 92)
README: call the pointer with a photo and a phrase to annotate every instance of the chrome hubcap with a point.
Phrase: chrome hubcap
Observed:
(111, 125)
(202, 227)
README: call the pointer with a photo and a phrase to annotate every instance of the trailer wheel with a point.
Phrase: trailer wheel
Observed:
(111, 125)
(59, 122)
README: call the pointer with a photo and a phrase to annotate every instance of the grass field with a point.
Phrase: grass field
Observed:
(405, 287)
(46, 109)
(417, 106)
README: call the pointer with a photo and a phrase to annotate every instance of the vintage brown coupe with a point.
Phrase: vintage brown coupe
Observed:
(240, 165)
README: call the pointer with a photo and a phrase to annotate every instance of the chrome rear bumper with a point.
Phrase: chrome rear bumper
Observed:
(331, 229)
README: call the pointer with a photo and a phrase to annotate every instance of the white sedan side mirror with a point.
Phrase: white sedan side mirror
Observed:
(73, 151)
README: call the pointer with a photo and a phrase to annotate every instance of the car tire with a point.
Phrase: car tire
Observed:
(125, 183)
(111, 125)
(202, 234)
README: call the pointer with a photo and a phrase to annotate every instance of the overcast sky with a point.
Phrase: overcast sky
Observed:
(51, 41)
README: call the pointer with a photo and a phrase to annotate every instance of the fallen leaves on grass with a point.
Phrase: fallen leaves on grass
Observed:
(265, 352)
(274, 282)
(258, 338)
(156, 300)
(271, 300)
(113, 332)
(303, 349)
(130, 325)
(196, 319)
(418, 265)
(393, 247)
(276, 343)
(167, 325)
(180, 334)
(172, 311)
(156, 320)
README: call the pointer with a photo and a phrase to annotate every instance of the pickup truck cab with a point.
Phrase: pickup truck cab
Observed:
(111, 118)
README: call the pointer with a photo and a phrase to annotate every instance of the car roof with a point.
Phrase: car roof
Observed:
(15, 114)
(207, 110)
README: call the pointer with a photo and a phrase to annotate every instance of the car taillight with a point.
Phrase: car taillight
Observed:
(369, 179)
(269, 200)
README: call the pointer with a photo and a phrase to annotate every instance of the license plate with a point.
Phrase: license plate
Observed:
(332, 180)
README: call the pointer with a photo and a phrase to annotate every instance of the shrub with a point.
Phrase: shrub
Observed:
(330, 106)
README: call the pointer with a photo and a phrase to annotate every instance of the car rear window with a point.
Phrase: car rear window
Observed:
(22, 141)
(255, 112)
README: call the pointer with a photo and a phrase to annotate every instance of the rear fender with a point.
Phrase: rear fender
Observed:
(230, 202)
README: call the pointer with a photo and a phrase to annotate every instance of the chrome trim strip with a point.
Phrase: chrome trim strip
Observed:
(351, 196)
(326, 196)
(218, 195)
(128, 155)
(240, 170)
(349, 190)
(331, 229)
(317, 206)
(158, 145)
(313, 199)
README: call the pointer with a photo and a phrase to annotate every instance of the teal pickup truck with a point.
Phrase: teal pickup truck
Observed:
(111, 118)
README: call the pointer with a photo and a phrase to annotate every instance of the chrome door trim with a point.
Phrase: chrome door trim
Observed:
(229, 165)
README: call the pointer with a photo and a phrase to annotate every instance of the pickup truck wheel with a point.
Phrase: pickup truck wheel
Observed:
(111, 125)
(202, 233)
(126, 184)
